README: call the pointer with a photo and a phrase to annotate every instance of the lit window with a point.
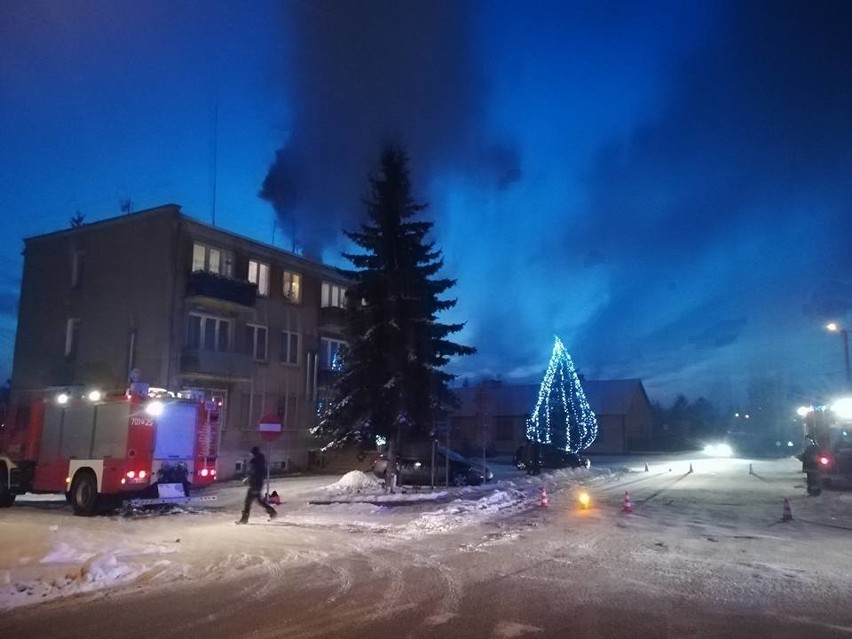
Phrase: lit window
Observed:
(255, 343)
(213, 260)
(329, 355)
(292, 286)
(289, 347)
(333, 296)
(258, 273)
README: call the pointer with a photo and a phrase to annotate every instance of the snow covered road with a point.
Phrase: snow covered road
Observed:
(703, 554)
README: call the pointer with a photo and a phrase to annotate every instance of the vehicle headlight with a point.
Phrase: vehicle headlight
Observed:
(718, 450)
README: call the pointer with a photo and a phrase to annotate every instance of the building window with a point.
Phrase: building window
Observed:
(77, 264)
(255, 343)
(72, 337)
(504, 430)
(258, 273)
(292, 286)
(333, 295)
(251, 410)
(287, 409)
(329, 355)
(208, 333)
(289, 347)
(212, 259)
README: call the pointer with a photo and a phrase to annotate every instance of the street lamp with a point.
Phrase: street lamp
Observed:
(836, 328)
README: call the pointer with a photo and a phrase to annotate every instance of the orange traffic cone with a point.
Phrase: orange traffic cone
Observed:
(627, 507)
(788, 514)
(544, 501)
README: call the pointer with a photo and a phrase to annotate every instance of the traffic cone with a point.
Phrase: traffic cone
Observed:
(544, 501)
(626, 507)
(788, 514)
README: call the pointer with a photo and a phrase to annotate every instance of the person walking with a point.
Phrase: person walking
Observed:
(255, 477)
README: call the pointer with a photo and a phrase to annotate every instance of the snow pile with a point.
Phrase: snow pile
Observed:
(65, 570)
(355, 481)
(462, 513)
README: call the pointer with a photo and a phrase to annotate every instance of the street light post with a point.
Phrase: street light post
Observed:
(836, 328)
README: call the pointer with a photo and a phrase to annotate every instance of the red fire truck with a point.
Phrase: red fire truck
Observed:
(827, 457)
(138, 446)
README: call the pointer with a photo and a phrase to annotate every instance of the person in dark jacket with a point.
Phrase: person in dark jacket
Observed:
(256, 476)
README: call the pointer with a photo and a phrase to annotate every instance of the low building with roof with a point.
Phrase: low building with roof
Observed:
(494, 415)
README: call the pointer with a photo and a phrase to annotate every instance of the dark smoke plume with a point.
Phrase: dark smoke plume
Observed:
(360, 74)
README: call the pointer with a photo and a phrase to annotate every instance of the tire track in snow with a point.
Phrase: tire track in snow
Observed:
(269, 571)
(392, 593)
(448, 606)
(343, 577)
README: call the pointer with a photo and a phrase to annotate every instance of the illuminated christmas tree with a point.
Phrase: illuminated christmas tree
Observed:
(562, 415)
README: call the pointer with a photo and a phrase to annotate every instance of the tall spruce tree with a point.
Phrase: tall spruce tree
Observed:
(392, 384)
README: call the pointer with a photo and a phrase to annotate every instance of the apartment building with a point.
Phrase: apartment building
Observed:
(185, 305)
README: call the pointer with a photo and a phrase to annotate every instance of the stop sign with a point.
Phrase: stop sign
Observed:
(269, 427)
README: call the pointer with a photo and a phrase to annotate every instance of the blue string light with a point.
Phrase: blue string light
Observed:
(562, 414)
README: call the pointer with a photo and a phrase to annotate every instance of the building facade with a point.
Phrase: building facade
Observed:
(184, 305)
(494, 416)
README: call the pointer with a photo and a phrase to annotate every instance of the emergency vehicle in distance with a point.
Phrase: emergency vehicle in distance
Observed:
(144, 446)
(827, 457)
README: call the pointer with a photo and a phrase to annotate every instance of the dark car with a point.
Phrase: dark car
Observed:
(550, 457)
(416, 469)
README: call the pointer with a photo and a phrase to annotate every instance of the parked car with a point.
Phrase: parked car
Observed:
(416, 469)
(550, 457)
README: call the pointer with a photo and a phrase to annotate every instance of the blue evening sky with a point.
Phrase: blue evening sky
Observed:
(665, 185)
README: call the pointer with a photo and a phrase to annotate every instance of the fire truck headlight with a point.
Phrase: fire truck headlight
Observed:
(95, 396)
(142, 474)
(204, 472)
(62, 398)
(154, 409)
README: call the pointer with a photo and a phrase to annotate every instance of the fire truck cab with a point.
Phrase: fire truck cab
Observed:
(140, 446)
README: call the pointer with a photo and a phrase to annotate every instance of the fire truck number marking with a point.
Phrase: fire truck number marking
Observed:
(141, 421)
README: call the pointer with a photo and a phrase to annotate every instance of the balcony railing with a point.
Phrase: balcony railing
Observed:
(216, 364)
(203, 285)
(332, 317)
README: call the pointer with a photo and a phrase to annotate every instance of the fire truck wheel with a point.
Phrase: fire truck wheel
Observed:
(84, 493)
(7, 497)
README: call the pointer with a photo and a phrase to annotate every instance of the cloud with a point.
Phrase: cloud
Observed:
(756, 123)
